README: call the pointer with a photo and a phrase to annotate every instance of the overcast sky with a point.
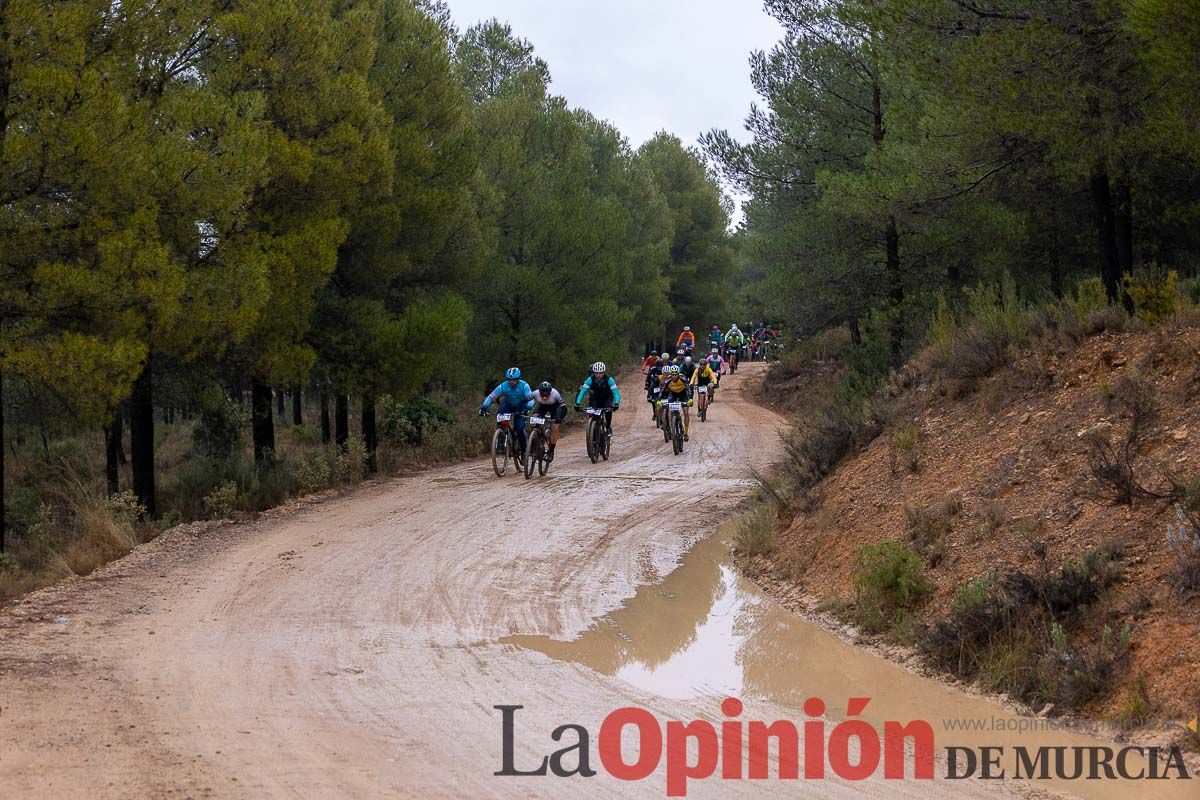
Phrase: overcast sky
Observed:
(644, 65)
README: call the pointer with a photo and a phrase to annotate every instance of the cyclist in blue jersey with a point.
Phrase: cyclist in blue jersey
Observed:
(513, 398)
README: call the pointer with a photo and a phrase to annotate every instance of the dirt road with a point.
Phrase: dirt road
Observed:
(356, 648)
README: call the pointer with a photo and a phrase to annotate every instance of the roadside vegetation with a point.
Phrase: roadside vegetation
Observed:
(994, 298)
(250, 251)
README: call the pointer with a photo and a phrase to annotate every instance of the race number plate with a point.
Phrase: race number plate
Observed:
(537, 420)
(503, 417)
(676, 406)
(702, 389)
(595, 412)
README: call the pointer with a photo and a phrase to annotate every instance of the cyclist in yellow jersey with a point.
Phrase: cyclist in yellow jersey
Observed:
(704, 376)
(677, 390)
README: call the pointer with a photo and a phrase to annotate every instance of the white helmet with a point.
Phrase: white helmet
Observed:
(599, 367)
(686, 328)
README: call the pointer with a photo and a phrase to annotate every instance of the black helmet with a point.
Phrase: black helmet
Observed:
(545, 388)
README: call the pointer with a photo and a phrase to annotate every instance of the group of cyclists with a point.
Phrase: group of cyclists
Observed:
(514, 396)
(677, 379)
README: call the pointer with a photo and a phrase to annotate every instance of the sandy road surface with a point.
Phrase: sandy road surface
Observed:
(353, 649)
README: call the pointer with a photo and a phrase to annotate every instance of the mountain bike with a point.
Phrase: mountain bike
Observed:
(539, 441)
(731, 356)
(674, 431)
(702, 402)
(599, 435)
(504, 444)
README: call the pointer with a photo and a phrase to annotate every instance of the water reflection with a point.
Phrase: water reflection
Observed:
(705, 631)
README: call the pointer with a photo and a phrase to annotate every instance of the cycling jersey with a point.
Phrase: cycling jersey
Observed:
(552, 407)
(687, 336)
(676, 386)
(512, 399)
(604, 393)
(688, 370)
(703, 376)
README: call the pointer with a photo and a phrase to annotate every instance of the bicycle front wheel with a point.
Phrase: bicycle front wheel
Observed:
(532, 453)
(500, 452)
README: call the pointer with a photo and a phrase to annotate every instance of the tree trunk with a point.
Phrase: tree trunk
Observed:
(341, 420)
(895, 290)
(112, 460)
(119, 433)
(141, 440)
(3, 528)
(281, 410)
(263, 424)
(855, 331)
(297, 407)
(1123, 215)
(325, 434)
(1102, 208)
(1056, 275)
(370, 438)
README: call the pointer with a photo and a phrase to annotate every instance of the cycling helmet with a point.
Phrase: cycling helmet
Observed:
(686, 328)
(545, 388)
(512, 373)
(599, 367)
(653, 352)
(675, 370)
(679, 352)
(716, 327)
(687, 360)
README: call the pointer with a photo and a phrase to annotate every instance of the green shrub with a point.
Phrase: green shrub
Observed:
(412, 423)
(316, 469)
(1090, 296)
(996, 322)
(1154, 293)
(124, 507)
(943, 326)
(218, 432)
(888, 580)
(222, 501)
(973, 594)
(1008, 633)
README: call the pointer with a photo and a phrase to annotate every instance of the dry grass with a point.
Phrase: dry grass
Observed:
(754, 535)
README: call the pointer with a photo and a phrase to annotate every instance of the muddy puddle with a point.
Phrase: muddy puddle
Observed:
(706, 632)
